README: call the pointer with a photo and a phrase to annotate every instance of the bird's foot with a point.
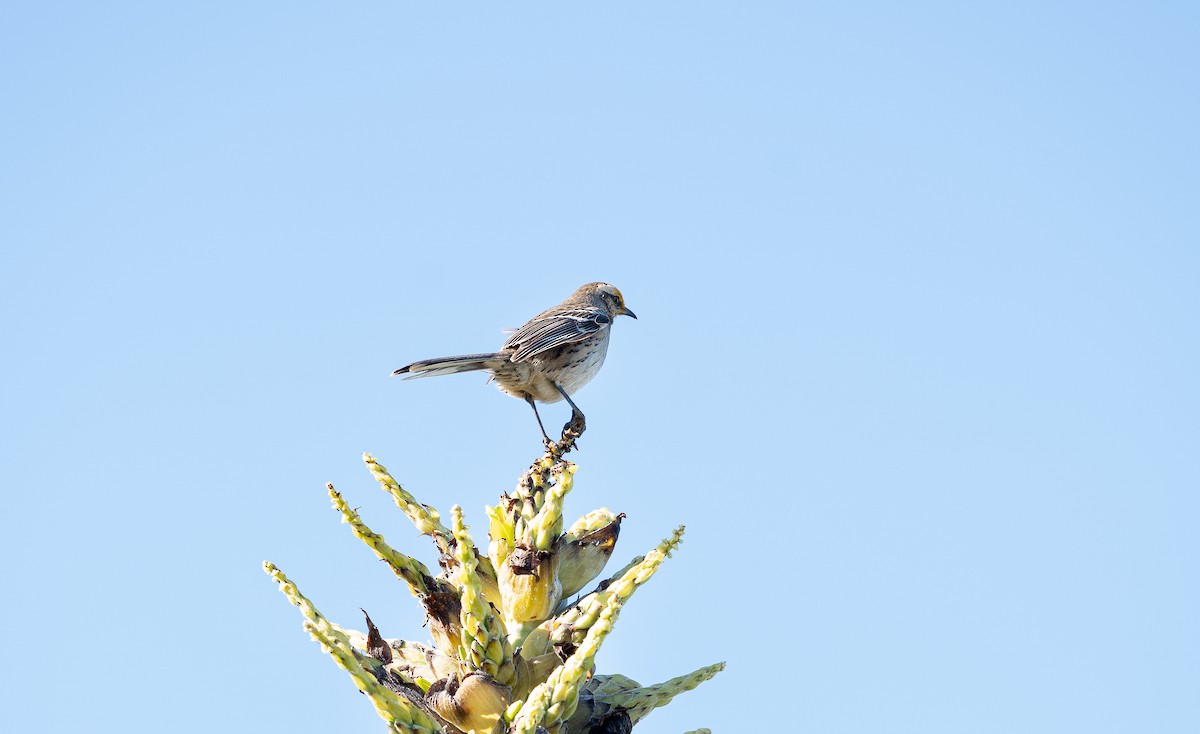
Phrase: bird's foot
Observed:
(576, 426)
(572, 431)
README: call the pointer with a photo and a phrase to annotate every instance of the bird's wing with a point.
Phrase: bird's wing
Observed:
(555, 330)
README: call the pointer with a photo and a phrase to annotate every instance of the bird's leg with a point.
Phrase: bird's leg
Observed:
(578, 423)
(545, 438)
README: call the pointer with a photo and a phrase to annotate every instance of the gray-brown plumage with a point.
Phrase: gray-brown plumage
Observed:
(548, 359)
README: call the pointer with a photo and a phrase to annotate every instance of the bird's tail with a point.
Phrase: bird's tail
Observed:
(450, 365)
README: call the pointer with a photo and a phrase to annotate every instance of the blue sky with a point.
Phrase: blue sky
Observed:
(916, 359)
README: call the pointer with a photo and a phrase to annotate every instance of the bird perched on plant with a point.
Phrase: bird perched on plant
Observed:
(548, 359)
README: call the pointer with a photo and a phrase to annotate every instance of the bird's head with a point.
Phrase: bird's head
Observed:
(607, 297)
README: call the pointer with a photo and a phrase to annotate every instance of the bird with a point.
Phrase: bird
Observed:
(549, 358)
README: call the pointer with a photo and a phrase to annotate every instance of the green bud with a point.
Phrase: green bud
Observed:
(583, 551)
(475, 705)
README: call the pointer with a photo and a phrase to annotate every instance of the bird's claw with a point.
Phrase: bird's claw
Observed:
(577, 425)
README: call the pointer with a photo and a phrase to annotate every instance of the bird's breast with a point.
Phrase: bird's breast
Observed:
(579, 363)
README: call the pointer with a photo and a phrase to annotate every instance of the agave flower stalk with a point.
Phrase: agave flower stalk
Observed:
(511, 653)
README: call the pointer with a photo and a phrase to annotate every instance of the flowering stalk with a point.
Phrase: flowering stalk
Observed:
(510, 656)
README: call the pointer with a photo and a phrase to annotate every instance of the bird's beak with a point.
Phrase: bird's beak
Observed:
(626, 312)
